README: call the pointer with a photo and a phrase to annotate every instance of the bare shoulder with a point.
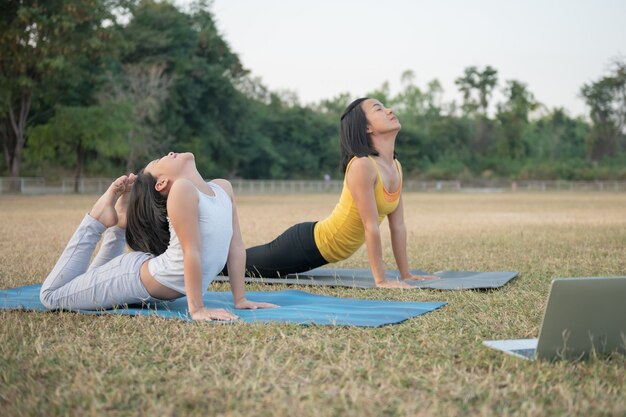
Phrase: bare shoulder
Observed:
(180, 187)
(226, 186)
(362, 169)
(182, 193)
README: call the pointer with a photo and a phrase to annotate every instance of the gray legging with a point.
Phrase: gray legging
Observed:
(111, 280)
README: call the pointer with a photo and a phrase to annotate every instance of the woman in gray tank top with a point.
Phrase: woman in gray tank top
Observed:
(165, 214)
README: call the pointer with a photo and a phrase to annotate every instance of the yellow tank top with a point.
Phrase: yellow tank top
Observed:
(339, 235)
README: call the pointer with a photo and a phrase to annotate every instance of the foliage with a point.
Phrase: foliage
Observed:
(513, 118)
(477, 88)
(175, 84)
(74, 135)
(141, 91)
(606, 99)
(47, 48)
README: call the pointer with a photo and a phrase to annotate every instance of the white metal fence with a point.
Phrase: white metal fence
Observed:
(38, 185)
(23, 185)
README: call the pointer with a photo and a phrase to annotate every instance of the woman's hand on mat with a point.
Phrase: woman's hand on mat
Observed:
(412, 277)
(393, 284)
(213, 314)
(252, 305)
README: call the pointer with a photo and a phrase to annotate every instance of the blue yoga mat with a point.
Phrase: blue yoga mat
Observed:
(295, 307)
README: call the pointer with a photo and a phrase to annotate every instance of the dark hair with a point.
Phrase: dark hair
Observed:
(147, 228)
(354, 139)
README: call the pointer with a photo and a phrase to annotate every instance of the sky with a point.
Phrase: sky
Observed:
(320, 49)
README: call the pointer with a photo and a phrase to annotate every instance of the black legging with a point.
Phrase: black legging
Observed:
(291, 252)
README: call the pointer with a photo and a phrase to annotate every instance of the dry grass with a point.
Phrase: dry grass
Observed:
(66, 364)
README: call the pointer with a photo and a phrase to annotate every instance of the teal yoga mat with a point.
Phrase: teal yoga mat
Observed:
(295, 307)
(362, 278)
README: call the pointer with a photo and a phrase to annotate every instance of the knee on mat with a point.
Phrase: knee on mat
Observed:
(46, 299)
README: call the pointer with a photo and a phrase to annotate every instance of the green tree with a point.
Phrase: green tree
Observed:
(304, 144)
(513, 117)
(74, 134)
(467, 84)
(141, 89)
(557, 137)
(43, 46)
(477, 88)
(204, 111)
(411, 101)
(606, 99)
(434, 99)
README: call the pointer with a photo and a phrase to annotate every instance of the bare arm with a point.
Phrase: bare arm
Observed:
(397, 228)
(182, 209)
(237, 258)
(236, 252)
(361, 179)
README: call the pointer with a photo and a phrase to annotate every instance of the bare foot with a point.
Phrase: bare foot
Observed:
(104, 209)
(122, 203)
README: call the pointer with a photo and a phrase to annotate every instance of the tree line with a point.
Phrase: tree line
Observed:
(99, 87)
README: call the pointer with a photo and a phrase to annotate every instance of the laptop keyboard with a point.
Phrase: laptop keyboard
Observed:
(527, 353)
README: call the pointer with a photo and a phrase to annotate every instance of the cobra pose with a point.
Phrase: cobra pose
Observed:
(182, 231)
(372, 190)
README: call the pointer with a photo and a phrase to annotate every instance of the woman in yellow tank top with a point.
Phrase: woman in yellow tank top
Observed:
(371, 191)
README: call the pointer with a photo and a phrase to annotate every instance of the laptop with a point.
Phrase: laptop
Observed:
(584, 317)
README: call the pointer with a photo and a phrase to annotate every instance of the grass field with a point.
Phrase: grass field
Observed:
(58, 364)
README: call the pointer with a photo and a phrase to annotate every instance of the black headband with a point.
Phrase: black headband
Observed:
(352, 105)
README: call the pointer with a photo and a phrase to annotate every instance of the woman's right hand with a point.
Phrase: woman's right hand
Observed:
(412, 277)
(393, 284)
(209, 314)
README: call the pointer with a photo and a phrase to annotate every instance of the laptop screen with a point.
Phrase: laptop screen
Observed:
(584, 316)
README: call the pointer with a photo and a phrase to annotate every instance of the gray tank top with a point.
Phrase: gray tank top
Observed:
(216, 231)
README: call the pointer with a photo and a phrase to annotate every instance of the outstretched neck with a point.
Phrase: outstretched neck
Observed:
(385, 145)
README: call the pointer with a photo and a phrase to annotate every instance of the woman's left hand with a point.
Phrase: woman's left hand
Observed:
(421, 278)
(252, 305)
